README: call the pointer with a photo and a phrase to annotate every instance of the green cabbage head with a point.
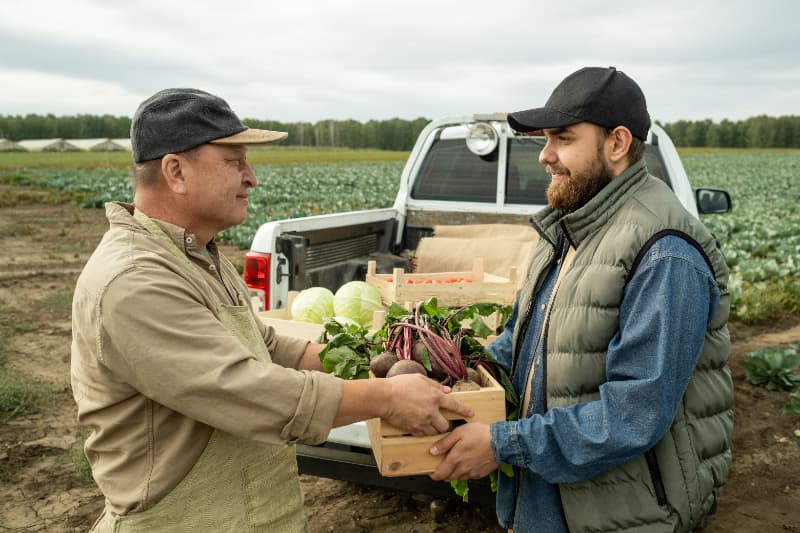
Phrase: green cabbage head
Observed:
(312, 305)
(357, 300)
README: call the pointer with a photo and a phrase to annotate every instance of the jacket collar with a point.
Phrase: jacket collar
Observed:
(121, 213)
(554, 224)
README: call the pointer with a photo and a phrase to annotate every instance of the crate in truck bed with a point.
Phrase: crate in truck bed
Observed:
(451, 289)
(399, 454)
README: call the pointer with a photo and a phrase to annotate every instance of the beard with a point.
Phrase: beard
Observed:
(575, 190)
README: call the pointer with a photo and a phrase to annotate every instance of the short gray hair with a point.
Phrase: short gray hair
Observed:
(146, 173)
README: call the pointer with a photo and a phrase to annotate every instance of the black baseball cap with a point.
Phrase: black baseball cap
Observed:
(176, 120)
(603, 96)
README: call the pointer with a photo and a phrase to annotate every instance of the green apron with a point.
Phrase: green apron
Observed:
(236, 484)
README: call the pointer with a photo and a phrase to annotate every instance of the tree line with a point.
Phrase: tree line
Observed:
(391, 134)
(399, 134)
(755, 132)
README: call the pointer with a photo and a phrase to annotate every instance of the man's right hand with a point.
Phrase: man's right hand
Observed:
(415, 402)
(412, 402)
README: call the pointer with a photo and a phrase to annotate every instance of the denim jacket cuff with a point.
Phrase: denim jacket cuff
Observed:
(506, 443)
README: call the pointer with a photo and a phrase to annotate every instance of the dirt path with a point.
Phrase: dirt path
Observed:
(44, 247)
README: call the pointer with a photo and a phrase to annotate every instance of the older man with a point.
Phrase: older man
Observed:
(193, 404)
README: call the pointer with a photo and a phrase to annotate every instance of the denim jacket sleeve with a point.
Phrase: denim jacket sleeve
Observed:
(663, 317)
(500, 348)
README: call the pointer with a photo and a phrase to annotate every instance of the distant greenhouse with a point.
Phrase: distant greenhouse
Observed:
(124, 143)
(7, 145)
(48, 145)
(66, 145)
(97, 145)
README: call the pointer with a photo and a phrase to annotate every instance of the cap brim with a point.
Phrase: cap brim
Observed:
(540, 118)
(252, 136)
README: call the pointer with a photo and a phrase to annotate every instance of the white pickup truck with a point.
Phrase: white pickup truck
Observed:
(470, 169)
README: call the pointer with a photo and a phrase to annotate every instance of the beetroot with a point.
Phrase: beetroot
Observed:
(406, 366)
(381, 363)
(474, 376)
(420, 354)
(465, 385)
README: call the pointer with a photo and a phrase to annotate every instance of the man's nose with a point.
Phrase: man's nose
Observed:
(250, 176)
(547, 155)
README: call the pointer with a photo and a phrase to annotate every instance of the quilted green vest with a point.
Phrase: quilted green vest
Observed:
(674, 485)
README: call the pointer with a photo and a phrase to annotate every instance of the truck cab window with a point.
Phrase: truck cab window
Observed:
(451, 172)
(526, 179)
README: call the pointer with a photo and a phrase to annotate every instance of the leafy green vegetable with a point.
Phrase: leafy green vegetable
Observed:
(345, 363)
(313, 305)
(760, 237)
(357, 300)
(464, 325)
(461, 488)
(773, 368)
(793, 406)
(348, 349)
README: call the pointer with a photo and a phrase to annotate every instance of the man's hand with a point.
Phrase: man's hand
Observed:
(414, 404)
(469, 453)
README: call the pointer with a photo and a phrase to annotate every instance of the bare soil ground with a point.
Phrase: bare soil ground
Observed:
(45, 246)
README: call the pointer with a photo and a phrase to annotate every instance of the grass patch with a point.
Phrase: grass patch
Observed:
(4, 350)
(266, 155)
(24, 327)
(56, 300)
(19, 395)
(16, 230)
(76, 248)
(83, 471)
(40, 195)
(16, 160)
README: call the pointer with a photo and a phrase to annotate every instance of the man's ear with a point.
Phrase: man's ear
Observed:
(172, 168)
(620, 142)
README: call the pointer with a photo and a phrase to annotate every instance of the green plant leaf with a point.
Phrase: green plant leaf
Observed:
(773, 368)
(793, 406)
(461, 487)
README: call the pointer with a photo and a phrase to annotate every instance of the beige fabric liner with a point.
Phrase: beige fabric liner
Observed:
(454, 249)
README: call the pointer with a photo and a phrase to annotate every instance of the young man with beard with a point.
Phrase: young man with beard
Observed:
(618, 343)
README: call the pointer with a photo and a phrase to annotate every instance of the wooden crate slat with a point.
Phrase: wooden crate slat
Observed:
(399, 454)
(483, 287)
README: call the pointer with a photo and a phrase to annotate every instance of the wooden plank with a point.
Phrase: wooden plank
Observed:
(293, 328)
(400, 454)
(402, 288)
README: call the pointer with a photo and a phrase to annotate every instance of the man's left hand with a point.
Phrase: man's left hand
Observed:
(469, 453)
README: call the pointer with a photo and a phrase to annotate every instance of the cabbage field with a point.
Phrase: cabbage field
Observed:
(760, 237)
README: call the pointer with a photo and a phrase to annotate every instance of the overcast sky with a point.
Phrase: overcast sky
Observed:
(301, 60)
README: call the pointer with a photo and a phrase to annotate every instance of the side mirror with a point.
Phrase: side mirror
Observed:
(711, 201)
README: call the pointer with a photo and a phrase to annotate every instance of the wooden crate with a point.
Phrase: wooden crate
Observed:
(292, 328)
(400, 454)
(406, 288)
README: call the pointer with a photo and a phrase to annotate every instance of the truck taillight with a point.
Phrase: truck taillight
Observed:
(256, 277)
